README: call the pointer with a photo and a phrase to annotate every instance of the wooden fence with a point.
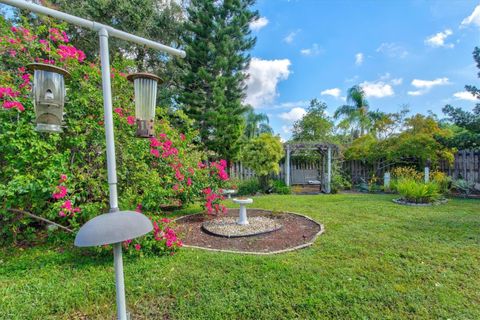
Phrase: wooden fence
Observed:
(465, 166)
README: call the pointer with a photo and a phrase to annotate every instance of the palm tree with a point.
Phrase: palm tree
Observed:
(256, 123)
(355, 114)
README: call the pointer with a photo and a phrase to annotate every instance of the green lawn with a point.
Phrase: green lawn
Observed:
(376, 260)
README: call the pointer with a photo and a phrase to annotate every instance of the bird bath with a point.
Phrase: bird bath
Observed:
(229, 192)
(242, 217)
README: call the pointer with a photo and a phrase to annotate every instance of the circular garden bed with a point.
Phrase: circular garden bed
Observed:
(291, 231)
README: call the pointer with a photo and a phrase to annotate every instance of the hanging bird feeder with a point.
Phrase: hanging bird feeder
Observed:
(48, 96)
(145, 85)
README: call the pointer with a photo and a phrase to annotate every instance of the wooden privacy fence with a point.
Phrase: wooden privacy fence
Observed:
(465, 166)
(300, 171)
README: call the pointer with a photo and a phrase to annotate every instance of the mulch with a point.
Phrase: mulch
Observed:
(296, 231)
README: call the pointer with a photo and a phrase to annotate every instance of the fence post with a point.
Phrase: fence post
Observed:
(328, 188)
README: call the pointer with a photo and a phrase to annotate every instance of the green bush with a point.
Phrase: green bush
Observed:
(248, 187)
(63, 177)
(279, 186)
(418, 192)
(463, 186)
(339, 181)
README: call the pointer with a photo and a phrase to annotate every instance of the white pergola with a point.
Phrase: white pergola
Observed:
(325, 149)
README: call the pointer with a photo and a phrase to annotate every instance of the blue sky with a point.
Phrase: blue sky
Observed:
(414, 52)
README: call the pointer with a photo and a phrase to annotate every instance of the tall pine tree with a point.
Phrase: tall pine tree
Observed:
(217, 41)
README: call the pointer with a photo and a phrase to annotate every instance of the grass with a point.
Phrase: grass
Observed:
(376, 260)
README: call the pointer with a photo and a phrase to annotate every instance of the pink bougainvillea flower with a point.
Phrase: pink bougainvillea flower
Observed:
(118, 111)
(154, 142)
(56, 35)
(61, 193)
(26, 80)
(179, 175)
(189, 181)
(165, 220)
(76, 209)
(62, 214)
(207, 190)
(13, 104)
(131, 120)
(8, 92)
(12, 53)
(139, 208)
(63, 178)
(70, 52)
(14, 29)
(138, 246)
(182, 137)
(155, 152)
(162, 136)
(175, 187)
(67, 205)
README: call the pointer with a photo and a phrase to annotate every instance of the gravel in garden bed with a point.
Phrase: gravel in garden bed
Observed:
(228, 227)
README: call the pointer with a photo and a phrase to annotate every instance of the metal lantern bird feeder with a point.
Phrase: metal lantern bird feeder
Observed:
(48, 96)
(49, 91)
(145, 85)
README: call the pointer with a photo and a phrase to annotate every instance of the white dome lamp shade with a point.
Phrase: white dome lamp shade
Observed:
(114, 227)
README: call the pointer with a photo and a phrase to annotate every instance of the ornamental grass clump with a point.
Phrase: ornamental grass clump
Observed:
(418, 192)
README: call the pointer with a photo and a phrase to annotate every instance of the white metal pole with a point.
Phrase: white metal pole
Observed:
(108, 114)
(112, 169)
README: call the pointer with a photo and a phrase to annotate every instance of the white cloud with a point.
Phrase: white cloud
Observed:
(313, 51)
(474, 18)
(428, 84)
(392, 50)
(264, 76)
(377, 89)
(465, 95)
(294, 114)
(359, 59)
(334, 92)
(415, 93)
(258, 24)
(438, 40)
(291, 36)
(287, 129)
(397, 81)
(425, 86)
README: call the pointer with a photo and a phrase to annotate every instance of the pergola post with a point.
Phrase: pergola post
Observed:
(287, 166)
(329, 169)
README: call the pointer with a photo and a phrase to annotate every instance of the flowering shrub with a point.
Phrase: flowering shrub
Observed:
(63, 177)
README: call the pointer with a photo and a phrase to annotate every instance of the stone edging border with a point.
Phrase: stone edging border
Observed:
(321, 231)
(404, 203)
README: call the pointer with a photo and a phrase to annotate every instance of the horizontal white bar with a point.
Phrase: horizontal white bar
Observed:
(95, 26)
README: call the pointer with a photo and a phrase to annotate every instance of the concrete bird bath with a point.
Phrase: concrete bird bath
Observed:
(242, 217)
(229, 192)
